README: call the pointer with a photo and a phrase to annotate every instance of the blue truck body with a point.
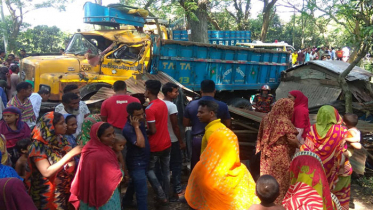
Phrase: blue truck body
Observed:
(228, 38)
(231, 68)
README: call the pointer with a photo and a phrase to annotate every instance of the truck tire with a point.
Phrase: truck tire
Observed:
(240, 103)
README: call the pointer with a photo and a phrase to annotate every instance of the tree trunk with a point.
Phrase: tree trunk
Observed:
(342, 77)
(199, 27)
(263, 34)
(267, 8)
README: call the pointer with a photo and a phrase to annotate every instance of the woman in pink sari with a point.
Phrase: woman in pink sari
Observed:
(326, 140)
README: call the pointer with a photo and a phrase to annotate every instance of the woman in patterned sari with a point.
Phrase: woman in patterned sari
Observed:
(88, 122)
(50, 169)
(326, 140)
(309, 187)
(219, 180)
(277, 141)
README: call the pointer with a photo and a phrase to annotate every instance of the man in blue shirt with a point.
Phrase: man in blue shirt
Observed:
(198, 128)
(137, 157)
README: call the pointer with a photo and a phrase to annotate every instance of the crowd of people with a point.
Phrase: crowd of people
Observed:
(323, 53)
(71, 158)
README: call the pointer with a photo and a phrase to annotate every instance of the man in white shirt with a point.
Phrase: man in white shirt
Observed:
(71, 103)
(36, 99)
(83, 108)
(170, 92)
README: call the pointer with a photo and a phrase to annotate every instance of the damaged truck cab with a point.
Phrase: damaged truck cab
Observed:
(129, 55)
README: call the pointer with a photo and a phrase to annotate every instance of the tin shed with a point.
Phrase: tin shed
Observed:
(318, 80)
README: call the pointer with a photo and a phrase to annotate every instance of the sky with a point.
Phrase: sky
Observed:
(72, 19)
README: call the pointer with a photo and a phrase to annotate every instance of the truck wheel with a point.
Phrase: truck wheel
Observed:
(240, 103)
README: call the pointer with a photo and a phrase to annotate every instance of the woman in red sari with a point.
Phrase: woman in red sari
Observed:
(277, 141)
(326, 140)
(301, 119)
(309, 187)
(95, 185)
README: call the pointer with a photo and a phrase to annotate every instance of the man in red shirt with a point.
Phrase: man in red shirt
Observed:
(159, 139)
(339, 54)
(114, 109)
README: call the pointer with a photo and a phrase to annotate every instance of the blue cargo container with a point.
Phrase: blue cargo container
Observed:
(108, 16)
(231, 68)
(227, 38)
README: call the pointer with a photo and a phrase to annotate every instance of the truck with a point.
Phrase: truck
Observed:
(126, 53)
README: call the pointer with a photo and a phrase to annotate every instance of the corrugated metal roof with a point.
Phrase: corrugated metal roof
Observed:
(317, 94)
(338, 67)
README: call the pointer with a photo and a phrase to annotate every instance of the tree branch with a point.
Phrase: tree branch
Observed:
(147, 5)
(213, 22)
(232, 15)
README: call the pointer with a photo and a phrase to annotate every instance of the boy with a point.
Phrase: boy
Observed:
(352, 136)
(22, 147)
(267, 189)
(159, 140)
(137, 157)
(118, 146)
(170, 92)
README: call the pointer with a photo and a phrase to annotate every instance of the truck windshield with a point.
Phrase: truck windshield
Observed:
(80, 45)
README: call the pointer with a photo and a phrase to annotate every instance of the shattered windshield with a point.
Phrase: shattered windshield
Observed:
(80, 45)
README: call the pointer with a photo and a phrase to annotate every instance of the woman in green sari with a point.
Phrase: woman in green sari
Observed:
(88, 122)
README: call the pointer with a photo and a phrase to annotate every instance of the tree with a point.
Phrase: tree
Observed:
(42, 39)
(196, 13)
(19, 8)
(356, 17)
(268, 13)
(242, 9)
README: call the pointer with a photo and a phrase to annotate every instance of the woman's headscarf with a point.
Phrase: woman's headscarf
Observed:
(13, 195)
(46, 144)
(7, 171)
(88, 122)
(309, 187)
(276, 124)
(219, 180)
(327, 116)
(44, 131)
(301, 117)
(98, 173)
(12, 136)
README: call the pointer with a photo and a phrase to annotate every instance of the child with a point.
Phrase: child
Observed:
(72, 125)
(353, 135)
(22, 147)
(118, 146)
(267, 189)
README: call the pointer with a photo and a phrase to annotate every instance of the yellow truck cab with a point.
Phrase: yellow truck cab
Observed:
(129, 55)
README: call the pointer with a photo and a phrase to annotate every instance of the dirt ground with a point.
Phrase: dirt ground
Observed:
(360, 200)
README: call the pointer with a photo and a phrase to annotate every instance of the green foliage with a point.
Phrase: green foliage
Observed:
(367, 184)
(41, 39)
